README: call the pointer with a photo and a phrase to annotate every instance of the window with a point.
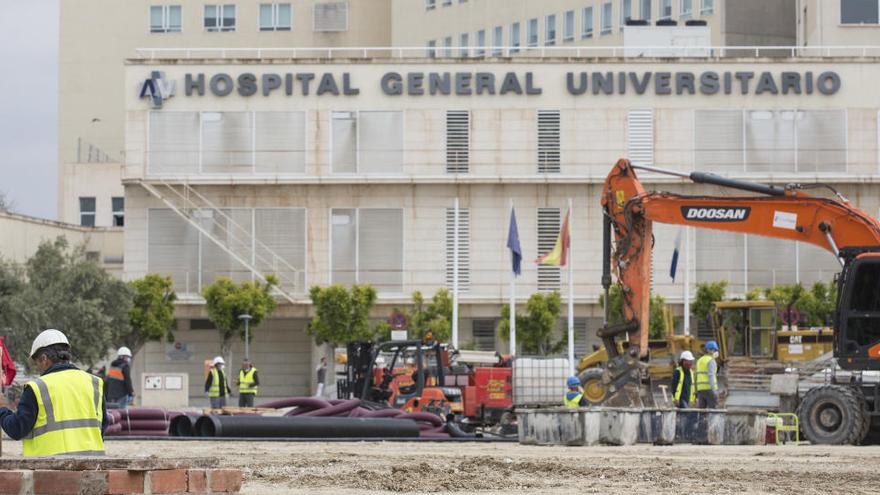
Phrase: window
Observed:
(458, 127)
(707, 7)
(606, 18)
(275, 17)
(447, 3)
(480, 44)
(279, 142)
(484, 335)
(587, 23)
(463, 49)
(87, 212)
(568, 26)
(447, 46)
(859, 11)
(864, 311)
(548, 230)
(532, 33)
(687, 9)
(548, 141)
(430, 4)
(464, 253)
(367, 142)
(625, 12)
(665, 9)
(514, 37)
(118, 211)
(640, 136)
(165, 19)
(227, 142)
(367, 247)
(331, 17)
(497, 41)
(432, 49)
(646, 10)
(550, 30)
(220, 17)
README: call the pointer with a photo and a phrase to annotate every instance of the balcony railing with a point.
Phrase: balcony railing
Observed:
(421, 52)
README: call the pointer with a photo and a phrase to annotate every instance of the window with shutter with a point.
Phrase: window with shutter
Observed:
(821, 140)
(640, 136)
(770, 141)
(367, 247)
(331, 17)
(548, 141)
(215, 261)
(464, 248)
(718, 136)
(227, 142)
(280, 142)
(484, 335)
(585, 335)
(458, 125)
(173, 249)
(548, 230)
(281, 246)
(380, 142)
(174, 142)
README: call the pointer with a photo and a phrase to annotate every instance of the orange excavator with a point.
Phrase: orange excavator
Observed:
(840, 412)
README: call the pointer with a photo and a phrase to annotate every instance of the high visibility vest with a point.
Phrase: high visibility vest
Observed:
(246, 381)
(68, 415)
(574, 401)
(703, 379)
(214, 391)
(115, 373)
(677, 395)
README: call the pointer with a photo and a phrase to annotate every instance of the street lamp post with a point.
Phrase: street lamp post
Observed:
(247, 319)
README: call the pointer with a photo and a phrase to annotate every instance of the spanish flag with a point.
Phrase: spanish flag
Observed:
(559, 255)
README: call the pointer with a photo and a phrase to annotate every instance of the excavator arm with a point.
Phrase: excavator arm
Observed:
(779, 212)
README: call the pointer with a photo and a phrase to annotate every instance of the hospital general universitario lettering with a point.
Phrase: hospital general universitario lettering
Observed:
(514, 83)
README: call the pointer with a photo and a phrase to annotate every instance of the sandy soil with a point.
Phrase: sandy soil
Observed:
(394, 467)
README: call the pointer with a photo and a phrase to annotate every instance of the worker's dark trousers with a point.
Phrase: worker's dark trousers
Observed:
(246, 400)
(706, 399)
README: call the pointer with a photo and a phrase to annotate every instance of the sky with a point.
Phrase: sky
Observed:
(29, 106)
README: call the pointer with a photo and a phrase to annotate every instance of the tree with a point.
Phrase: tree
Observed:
(341, 315)
(152, 312)
(816, 306)
(708, 293)
(436, 317)
(59, 287)
(6, 204)
(535, 330)
(656, 322)
(226, 301)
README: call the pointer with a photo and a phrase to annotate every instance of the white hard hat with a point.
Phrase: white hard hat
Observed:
(124, 351)
(687, 356)
(219, 360)
(47, 338)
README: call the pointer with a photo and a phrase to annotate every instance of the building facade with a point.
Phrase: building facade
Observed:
(340, 172)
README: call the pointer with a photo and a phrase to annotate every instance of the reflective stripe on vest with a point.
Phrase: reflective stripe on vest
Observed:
(115, 373)
(575, 402)
(68, 415)
(703, 379)
(677, 396)
(214, 391)
(246, 381)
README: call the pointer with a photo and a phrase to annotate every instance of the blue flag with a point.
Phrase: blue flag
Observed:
(674, 266)
(513, 245)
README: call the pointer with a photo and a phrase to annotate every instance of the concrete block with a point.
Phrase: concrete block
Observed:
(745, 428)
(657, 426)
(592, 421)
(784, 384)
(620, 426)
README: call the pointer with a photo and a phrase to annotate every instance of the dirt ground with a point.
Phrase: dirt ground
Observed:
(508, 468)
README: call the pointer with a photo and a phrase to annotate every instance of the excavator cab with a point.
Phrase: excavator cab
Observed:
(857, 323)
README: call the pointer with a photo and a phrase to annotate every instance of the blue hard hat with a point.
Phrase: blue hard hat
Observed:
(573, 381)
(711, 345)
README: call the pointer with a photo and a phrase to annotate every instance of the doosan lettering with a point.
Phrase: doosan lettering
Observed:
(723, 214)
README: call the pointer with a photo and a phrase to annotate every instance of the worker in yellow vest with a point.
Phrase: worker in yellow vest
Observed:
(216, 385)
(707, 377)
(248, 382)
(574, 397)
(62, 412)
(683, 389)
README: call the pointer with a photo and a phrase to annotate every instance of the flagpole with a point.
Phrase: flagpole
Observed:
(687, 280)
(455, 277)
(570, 292)
(512, 304)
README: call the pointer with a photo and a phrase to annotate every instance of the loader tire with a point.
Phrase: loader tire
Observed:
(834, 415)
(594, 390)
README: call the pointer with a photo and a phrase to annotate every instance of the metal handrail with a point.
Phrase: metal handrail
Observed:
(489, 52)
